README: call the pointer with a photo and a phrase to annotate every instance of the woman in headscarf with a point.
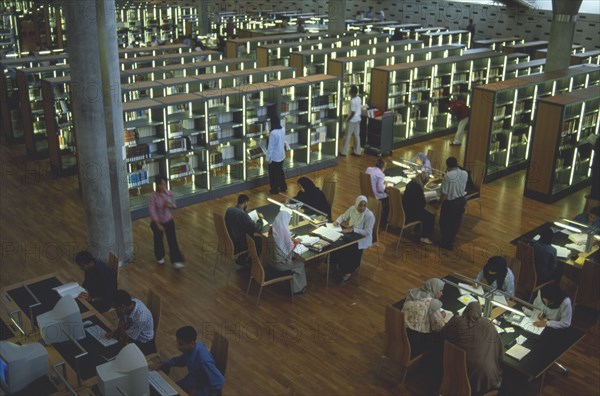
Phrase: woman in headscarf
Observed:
(281, 252)
(312, 196)
(497, 274)
(478, 337)
(423, 316)
(423, 162)
(555, 307)
(414, 203)
(360, 220)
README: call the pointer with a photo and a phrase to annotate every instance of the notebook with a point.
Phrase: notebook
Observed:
(518, 351)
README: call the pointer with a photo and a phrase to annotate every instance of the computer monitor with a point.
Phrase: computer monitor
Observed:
(62, 321)
(128, 372)
(20, 365)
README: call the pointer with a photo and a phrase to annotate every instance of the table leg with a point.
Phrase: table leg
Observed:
(327, 279)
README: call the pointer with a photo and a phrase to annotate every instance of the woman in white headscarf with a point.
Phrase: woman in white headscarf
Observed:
(360, 220)
(281, 252)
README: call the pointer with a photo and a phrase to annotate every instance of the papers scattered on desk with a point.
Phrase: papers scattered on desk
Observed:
(460, 311)
(499, 298)
(330, 226)
(499, 329)
(394, 179)
(521, 339)
(561, 252)
(308, 240)
(536, 238)
(430, 195)
(579, 239)
(328, 234)
(300, 249)
(518, 351)
(69, 289)
(466, 289)
(448, 316)
(467, 299)
(527, 325)
(576, 247)
(254, 216)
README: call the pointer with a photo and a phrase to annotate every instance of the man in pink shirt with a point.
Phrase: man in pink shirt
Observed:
(161, 204)
(378, 184)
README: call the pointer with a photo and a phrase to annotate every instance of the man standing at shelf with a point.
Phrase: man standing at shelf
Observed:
(162, 203)
(453, 201)
(462, 112)
(100, 282)
(276, 156)
(239, 224)
(471, 29)
(353, 123)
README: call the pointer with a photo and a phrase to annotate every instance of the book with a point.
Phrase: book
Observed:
(448, 316)
(327, 233)
(300, 249)
(465, 289)
(69, 289)
(518, 351)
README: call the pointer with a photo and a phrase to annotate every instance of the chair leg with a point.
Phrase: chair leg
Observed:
(216, 263)
(399, 238)
(378, 256)
(259, 293)
(479, 200)
(292, 289)
(387, 225)
(565, 371)
(248, 288)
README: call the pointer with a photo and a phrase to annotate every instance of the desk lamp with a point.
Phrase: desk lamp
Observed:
(295, 213)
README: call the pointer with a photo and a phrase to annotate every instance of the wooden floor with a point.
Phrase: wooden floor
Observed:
(330, 341)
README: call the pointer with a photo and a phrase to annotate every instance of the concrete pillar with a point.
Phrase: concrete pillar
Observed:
(92, 60)
(203, 16)
(561, 34)
(337, 17)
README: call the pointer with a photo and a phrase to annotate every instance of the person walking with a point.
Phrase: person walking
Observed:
(353, 123)
(462, 112)
(276, 156)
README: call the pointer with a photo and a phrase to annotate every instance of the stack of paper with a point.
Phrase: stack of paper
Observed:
(561, 251)
(576, 247)
(393, 179)
(308, 240)
(527, 325)
(579, 239)
(328, 234)
(300, 249)
(500, 299)
(431, 195)
(466, 289)
(448, 316)
(69, 289)
(517, 351)
(334, 228)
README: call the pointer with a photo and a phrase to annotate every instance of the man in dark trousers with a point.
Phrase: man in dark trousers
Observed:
(239, 224)
(100, 282)
(462, 112)
(453, 200)
(276, 156)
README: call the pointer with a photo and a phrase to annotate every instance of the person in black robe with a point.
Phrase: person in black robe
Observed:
(310, 195)
(413, 201)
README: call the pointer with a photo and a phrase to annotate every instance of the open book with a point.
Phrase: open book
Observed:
(254, 216)
(69, 289)
(465, 288)
(328, 233)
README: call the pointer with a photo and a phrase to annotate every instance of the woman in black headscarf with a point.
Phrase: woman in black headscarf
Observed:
(497, 274)
(310, 195)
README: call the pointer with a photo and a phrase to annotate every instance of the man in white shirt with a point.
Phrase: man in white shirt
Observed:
(378, 185)
(276, 156)
(453, 200)
(353, 120)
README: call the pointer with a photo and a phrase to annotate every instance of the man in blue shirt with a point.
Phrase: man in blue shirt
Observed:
(276, 156)
(100, 282)
(203, 378)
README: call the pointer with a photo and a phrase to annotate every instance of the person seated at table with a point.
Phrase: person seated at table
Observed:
(239, 224)
(100, 282)
(423, 316)
(591, 218)
(281, 251)
(378, 186)
(312, 196)
(359, 220)
(413, 201)
(135, 322)
(544, 254)
(555, 307)
(203, 378)
(497, 274)
(424, 164)
(478, 337)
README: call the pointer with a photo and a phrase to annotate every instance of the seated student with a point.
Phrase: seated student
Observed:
(281, 252)
(361, 221)
(413, 201)
(100, 282)
(497, 274)
(544, 253)
(312, 196)
(423, 315)
(135, 322)
(555, 307)
(378, 185)
(478, 337)
(203, 377)
(239, 224)
(591, 218)
(423, 162)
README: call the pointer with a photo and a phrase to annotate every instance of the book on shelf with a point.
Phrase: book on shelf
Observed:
(178, 145)
(216, 158)
(179, 169)
(137, 153)
(228, 152)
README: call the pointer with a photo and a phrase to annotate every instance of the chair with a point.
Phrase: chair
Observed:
(366, 188)
(528, 279)
(113, 264)
(455, 380)
(477, 175)
(265, 276)
(225, 247)
(588, 290)
(515, 266)
(153, 304)
(396, 345)
(374, 205)
(329, 190)
(397, 217)
(219, 349)
(435, 160)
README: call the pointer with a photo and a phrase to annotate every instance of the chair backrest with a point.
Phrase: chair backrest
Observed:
(219, 349)
(528, 274)
(329, 190)
(257, 271)
(153, 304)
(113, 264)
(590, 203)
(396, 345)
(435, 160)
(515, 266)
(589, 285)
(455, 380)
(477, 173)
(224, 242)
(366, 188)
(397, 217)
(374, 205)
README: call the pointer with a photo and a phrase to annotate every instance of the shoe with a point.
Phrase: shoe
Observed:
(426, 241)
(178, 265)
(455, 144)
(344, 279)
(301, 292)
(161, 261)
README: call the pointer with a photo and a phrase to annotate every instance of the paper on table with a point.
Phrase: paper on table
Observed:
(460, 311)
(300, 249)
(69, 289)
(527, 325)
(500, 299)
(521, 339)
(430, 195)
(328, 233)
(577, 247)
(448, 316)
(579, 239)
(499, 329)
(465, 289)
(308, 240)
(561, 251)
(393, 179)
(517, 351)
(467, 299)
(330, 226)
